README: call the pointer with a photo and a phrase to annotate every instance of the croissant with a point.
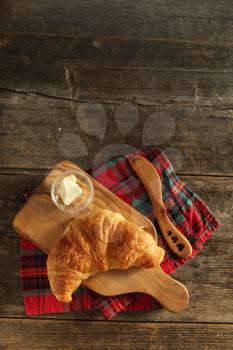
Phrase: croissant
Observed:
(103, 240)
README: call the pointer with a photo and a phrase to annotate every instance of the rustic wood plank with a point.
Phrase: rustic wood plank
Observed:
(208, 277)
(48, 334)
(118, 69)
(37, 132)
(211, 21)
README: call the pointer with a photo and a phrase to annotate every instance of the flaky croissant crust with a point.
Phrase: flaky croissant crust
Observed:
(101, 241)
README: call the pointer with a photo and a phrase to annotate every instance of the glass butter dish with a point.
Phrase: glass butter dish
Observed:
(72, 191)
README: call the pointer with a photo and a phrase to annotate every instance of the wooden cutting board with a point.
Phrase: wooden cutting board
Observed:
(43, 223)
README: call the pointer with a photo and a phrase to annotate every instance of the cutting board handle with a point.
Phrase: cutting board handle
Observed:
(170, 293)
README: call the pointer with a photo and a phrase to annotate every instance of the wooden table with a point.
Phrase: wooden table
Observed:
(170, 59)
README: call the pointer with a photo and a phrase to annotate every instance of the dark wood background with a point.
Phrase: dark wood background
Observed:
(172, 58)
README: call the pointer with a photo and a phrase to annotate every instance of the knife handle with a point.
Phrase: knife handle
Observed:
(176, 241)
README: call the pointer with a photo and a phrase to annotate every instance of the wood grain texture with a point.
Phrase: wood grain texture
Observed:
(209, 21)
(118, 69)
(190, 136)
(208, 277)
(47, 334)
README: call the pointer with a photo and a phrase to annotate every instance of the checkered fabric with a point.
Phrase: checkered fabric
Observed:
(189, 213)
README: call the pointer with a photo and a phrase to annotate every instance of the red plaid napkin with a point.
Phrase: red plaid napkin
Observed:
(185, 208)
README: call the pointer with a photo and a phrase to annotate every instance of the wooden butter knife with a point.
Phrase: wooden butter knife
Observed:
(150, 178)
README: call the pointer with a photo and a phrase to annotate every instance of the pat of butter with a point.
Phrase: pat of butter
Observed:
(69, 189)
